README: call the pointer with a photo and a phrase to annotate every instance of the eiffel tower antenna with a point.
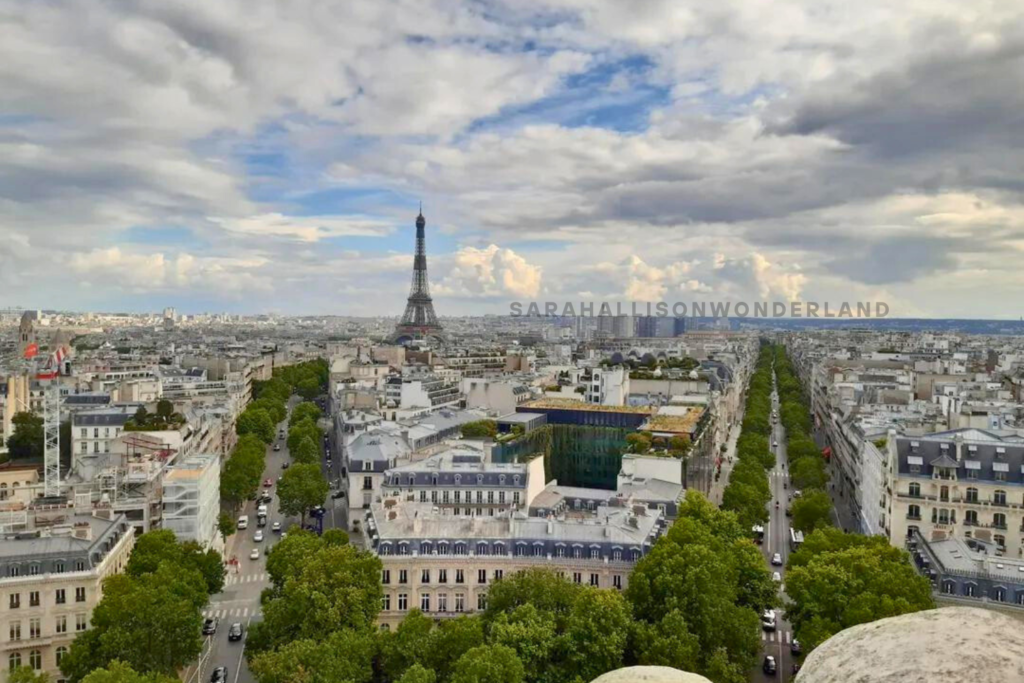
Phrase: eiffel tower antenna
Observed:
(419, 320)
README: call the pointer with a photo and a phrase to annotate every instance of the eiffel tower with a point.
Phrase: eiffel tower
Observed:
(419, 320)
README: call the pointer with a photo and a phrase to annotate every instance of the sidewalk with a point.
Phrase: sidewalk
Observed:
(728, 460)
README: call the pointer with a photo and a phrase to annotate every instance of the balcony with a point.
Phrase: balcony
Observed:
(914, 517)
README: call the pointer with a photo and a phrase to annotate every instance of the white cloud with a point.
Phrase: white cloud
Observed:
(305, 228)
(490, 272)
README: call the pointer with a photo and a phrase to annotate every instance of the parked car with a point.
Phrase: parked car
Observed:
(261, 521)
(267, 549)
(338, 494)
(285, 465)
(255, 554)
(209, 626)
(769, 666)
(267, 483)
(235, 632)
(277, 447)
(768, 620)
(219, 675)
(276, 527)
(243, 523)
(776, 560)
(795, 649)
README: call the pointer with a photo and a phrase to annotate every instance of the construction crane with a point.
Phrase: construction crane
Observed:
(48, 378)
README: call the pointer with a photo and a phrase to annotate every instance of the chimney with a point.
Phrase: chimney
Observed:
(551, 526)
(83, 530)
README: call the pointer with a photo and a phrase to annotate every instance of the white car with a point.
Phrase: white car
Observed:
(255, 554)
(258, 537)
(276, 527)
(776, 560)
(775, 444)
(776, 577)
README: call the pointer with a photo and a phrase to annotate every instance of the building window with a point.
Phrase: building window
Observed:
(481, 549)
(999, 594)
(460, 602)
(442, 576)
(617, 581)
(481, 576)
(458, 496)
(14, 660)
(501, 497)
(970, 518)
(999, 498)
(1000, 542)
(999, 476)
(35, 660)
(81, 620)
(61, 596)
(460, 548)
(479, 479)
(423, 496)
(425, 576)
(490, 497)
(58, 567)
(403, 602)
(61, 625)
(972, 495)
(33, 569)
(560, 551)
(425, 602)
(999, 520)
(617, 554)
(479, 497)
(498, 573)
(577, 577)
(944, 493)
(385, 576)
(481, 601)
(34, 628)
(913, 512)
(442, 602)
(459, 576)
(15, 631)
(367, 466)
(80, 594)
(433, 496)
(15, 600)
(403, 576)
(62, 652)
(594, 579)
(367, 483)
(515, 497)
(385, 602)
(577, 552)
(33, 599)
(970, 590)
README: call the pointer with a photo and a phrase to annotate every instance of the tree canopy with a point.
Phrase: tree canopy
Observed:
(302, 486)
(26, 439)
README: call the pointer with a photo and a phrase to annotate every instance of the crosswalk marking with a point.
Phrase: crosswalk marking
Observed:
(232, 579)
(241, 612)
(785, 637)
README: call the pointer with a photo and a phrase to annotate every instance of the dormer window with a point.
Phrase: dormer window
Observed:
(458, 479)
(479, 479)
(501, 479)
(515, 479)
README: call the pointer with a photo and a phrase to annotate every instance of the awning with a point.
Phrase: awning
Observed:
(972, 464)
(1000, 467)
(915, 460)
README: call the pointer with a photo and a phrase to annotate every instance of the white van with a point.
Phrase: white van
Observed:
(262, 510)
(243, 522)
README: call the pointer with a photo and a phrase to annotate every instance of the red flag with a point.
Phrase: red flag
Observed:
(31, 350)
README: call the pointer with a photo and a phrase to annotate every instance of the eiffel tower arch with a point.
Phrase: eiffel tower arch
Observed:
(419, 320)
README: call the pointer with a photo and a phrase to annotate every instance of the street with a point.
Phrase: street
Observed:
(239, 602)
(777, 643)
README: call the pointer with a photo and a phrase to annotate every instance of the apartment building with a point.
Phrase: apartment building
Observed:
(52, 567)
(443, 564)
(966, 484)
(422, 390)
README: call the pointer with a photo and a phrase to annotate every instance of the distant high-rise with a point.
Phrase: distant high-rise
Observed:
(419, 320)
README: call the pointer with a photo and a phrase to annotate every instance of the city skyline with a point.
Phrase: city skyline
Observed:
(220, 159)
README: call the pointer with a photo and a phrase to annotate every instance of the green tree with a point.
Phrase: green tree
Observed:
(345, 656)
(306, 452)
(489, 664)
(164, 409)
(451, 639)
(289, 556)
(25, 674)
(256, 421)
(418, 674)
(668, 642)
(302, 486)
(409, 644)
(530, 632)
(119, 672)
(303, 429)
(596, 634)
(333, 588)
(808, 473)
(226, 526)
(831, 590)
(26, 440)
(303, 411)
(308, 388)
(638, 442)
(480, 429)
(160, 547)
(812, 510)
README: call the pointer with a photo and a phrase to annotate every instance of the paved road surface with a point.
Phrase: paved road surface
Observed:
(778, 643)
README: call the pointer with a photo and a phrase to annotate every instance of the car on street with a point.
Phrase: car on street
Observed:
(267, 483)
(277, 447)
(776, 560)
(258, 536)
(255, 554)
(276, 527)
(768, 620)
(338, 494)
(243, 522)
(776, 577)
(775, 444)
(219, 675)
(209, 626)
(261, 521)
(267, 549)
(235, 632)
(768, 666)
(285, 465)
(795, 649)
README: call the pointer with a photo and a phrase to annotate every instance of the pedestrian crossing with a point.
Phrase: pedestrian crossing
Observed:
(778, 474)
(777, 636)
(227, 613)
(257, 577)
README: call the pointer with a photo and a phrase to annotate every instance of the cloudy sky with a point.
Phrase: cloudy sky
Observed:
(269, 155)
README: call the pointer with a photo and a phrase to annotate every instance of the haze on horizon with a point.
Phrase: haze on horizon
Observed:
(270, 156)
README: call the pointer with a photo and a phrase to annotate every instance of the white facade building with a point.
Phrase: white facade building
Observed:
(192, 499)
